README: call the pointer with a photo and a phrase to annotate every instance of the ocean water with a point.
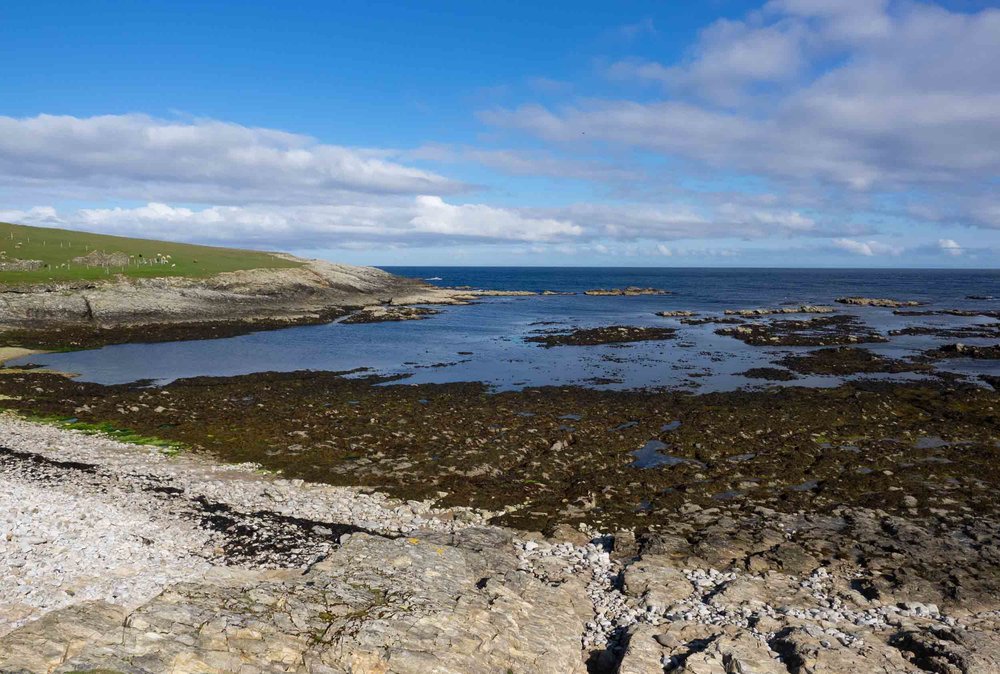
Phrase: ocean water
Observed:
(485, 341)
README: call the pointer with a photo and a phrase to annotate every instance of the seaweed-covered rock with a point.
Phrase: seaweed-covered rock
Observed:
(629, 291)
(612, 334)
(991, 352)
(877, 302)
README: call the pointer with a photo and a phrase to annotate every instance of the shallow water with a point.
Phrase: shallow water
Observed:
(485, 341)
(652, 455)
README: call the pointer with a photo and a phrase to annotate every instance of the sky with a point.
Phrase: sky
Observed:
(803, 133)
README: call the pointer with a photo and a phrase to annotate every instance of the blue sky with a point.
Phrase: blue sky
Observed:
(784, 133)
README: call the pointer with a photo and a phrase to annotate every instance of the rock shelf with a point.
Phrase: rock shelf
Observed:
(443, 590)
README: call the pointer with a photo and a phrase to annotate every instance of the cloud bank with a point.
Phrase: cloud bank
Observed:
(832, 126)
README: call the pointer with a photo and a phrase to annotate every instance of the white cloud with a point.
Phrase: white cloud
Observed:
(437, 217)
(910, 102)
(423, 219)
(866, 248)
(208, 161)
(39, 215)
(729, 56)
(950, 247)
(524, 162)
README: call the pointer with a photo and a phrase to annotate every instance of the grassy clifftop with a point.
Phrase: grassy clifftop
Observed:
(40, 254)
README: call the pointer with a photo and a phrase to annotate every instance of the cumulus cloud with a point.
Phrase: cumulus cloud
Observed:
(411, 220)
(910, 102)
(950, 247)
(866, 248)
(137, 156)
(671, 222)
(806, 118)
(437, 217)
(525, 162)
(424, 219)
(730, 55)
(38, 215)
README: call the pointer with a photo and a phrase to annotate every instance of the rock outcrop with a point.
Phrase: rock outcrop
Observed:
(629, 291)
(269, 297)
(877, 302)
(443, 592)
(803, 309)
(374, 605)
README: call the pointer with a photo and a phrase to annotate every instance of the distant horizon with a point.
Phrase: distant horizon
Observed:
(508, 266)
(736, 133)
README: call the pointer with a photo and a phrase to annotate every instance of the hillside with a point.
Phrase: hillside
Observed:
(43, 254)
(65, 289)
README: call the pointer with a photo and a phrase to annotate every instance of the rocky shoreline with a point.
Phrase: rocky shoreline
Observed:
(126, 310)
(410, 587)
(315, 522)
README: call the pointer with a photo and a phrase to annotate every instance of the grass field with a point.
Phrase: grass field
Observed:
(58, 250)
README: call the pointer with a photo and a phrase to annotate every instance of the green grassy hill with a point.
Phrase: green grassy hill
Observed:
(64, 255)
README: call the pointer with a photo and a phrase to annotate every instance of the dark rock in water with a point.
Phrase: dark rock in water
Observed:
(819, 331)
(384, 313)
(977, 331)
(630, 291)
(725, 320)
(987, 313)
(802, 309)
(877, 302)
(991, 352)
(614, 334)
(979, 297)
(847, 360)
(769, 373)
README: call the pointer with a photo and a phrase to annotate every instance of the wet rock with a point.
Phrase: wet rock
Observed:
(960, 350)
(614, 334)
(802, 309)
(382, 313)
(629, 291)
(769, 373)
(877, 302)
(847, 360)
(819, 331)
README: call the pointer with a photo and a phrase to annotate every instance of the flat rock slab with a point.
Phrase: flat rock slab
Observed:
(374, 605)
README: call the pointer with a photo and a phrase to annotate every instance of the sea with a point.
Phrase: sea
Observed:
(485, 341)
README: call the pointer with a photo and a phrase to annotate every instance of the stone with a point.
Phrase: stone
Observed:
(657, 584)
(375, 604)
